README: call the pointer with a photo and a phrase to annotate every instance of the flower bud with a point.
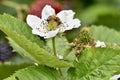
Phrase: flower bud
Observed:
(84, 39)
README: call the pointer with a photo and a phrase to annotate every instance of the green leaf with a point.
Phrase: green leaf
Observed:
(18, 59)
(25, 43)
(96, 64)
(72, 34)
(12, 24)
(36, 53)
(60, 43)
(2, 37)
(105, 34)
(35, 73)
(62, 48)
(71, 74)
(8, 69)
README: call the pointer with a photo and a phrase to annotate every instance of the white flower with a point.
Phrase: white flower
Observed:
(50, 24)
(115, 77)
(100, 44)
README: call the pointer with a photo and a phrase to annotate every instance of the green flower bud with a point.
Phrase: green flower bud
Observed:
(83, 40)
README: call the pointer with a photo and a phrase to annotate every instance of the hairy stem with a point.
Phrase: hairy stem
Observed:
(55, 54)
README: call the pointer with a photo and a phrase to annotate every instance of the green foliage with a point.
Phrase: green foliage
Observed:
(8, 69)
(36, 53)
(90, 14)
(15, 25)
(85, 35)
(72, 34)
(5, 9)
(25, 43)
(60, 43)
(96, 64)
(18, 59)
(35, 73)
(90, 64)
(23, 1)
(2, 36)
(108, 2)
(101, 15)
(110, 20)
(105, 34)
(62, 48)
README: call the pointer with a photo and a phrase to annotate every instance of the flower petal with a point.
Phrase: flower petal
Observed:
(62, 27)
(36, 31)
(51, 34)
(100, 44)
(47, 11)
(115, 77)
(66, 15)
(38, 25)
(42, 29)
(33, 21)
(75, 23)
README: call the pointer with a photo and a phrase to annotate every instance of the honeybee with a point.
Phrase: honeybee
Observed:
(54, 18)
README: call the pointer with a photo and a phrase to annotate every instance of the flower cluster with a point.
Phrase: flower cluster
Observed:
(50, 23)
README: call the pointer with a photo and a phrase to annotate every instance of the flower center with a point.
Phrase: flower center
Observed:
(53, 22)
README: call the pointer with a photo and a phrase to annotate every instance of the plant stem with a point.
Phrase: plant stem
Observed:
(59, 71)
(54, 48)
(55, 54)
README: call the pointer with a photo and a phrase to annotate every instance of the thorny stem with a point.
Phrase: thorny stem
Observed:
(55, 54)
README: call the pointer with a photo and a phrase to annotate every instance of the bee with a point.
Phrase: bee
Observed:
(54, 18)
